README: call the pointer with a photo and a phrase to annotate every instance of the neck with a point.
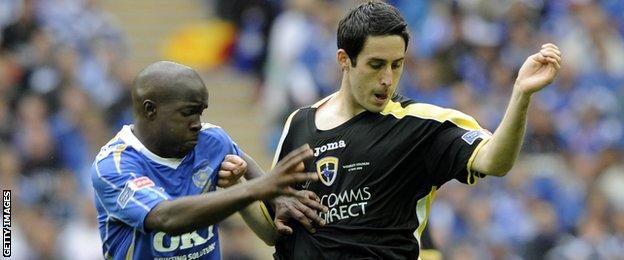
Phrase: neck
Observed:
(143, 133)
(345, 102)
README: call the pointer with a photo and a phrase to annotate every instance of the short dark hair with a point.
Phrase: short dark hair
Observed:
(373, 18)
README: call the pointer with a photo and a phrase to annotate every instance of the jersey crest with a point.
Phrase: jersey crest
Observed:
(201, 176)
(327, 169)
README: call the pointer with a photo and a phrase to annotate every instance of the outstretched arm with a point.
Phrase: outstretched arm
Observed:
(192, 212)
(498, 155)
(302, 208)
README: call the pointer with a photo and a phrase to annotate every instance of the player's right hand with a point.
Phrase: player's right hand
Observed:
(287, 172)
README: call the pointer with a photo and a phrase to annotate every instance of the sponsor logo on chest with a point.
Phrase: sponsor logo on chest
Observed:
(329, 147)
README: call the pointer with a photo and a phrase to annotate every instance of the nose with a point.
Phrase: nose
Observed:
(195, 124)
(386, 77)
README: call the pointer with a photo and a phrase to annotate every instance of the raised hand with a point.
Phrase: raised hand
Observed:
(287, 172)
(232, 168)
(539, 69)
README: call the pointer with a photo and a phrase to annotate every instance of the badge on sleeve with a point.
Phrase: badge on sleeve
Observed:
(132, 186)
(471, 136)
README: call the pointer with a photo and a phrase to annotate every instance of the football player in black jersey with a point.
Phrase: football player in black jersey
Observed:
(381, 157)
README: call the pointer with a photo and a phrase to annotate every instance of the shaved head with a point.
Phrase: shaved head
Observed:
(163, 81)
(168, 100)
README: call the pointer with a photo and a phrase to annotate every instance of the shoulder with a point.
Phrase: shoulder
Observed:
(115, 163)
(299, 116)
(213, 133)
(401, 107)
(118, 153)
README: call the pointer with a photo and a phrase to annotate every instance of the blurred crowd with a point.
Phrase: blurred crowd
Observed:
(65, 76)
(63, 90)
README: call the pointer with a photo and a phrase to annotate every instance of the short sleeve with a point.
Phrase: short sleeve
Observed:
(452, 152)
(125, 193)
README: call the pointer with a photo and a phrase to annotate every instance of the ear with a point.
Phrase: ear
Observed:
(149, 108)
(343, 59)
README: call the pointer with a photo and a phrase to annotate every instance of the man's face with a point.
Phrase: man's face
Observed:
(178, 120)
(379, 66)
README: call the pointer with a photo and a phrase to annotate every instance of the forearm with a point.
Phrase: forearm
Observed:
(193, 212)
(253, 169)
(498, 155)
(260, 224)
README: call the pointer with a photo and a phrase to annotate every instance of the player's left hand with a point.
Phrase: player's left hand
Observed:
(539, 70)
(302, 208)
(232, 168)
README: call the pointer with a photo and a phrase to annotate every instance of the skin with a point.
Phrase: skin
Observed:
(367, 86)
(168, 100)
(304, 207)
(500, 153)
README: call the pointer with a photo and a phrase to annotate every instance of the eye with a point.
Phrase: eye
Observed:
(375, 64)
(187, 112)
(397, 65)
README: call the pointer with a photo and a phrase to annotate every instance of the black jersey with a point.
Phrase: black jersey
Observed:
(378, 175)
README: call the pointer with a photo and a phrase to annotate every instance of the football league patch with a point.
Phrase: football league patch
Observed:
(471, 136)
(131, 186)
(140, 183)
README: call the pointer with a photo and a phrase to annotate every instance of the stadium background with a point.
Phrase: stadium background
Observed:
(66, 67)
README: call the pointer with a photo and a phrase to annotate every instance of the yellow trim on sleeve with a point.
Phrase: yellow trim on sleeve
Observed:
(267, 216)
(427, 111)
(430, 254)
(428, 201)
(472, 179)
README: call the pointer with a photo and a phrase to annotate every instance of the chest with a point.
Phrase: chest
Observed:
(364, 155)
(191, 177)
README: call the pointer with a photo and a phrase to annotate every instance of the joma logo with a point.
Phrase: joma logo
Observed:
(329, 147)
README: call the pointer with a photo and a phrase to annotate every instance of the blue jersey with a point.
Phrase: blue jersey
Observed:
(129, 181)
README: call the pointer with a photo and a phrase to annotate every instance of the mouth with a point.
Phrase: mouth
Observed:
(381, 97)
(190, 144)
(193, 141)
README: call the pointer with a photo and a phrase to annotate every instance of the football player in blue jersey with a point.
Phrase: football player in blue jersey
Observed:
(155, 181)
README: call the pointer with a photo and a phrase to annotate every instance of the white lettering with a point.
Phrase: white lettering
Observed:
(159, 243)
(192, 239)
(188, 240)
(329, 147)
(351, 213)
(363, 208)
(333, 212)
(195, 255)
(344, 205)
(343, 211)
(344, 197)
(365, 189)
